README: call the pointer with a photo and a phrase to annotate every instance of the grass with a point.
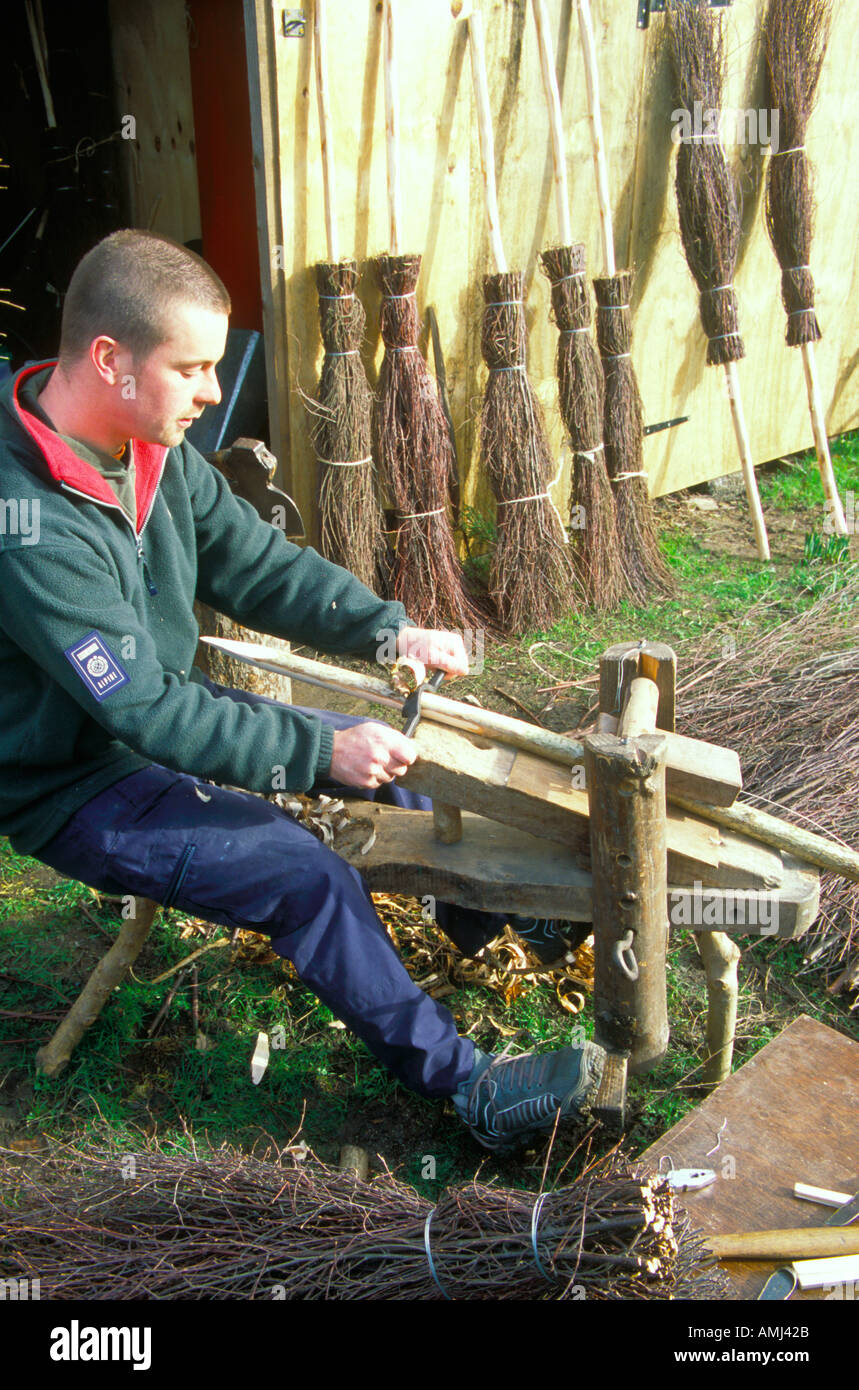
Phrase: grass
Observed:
(123, 1087)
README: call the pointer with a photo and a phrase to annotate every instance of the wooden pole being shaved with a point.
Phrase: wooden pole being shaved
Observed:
(412, 441)
(796, 35)
(709, 213)
(623, 420)
(581, 393)
(351, 523)
(532, 577)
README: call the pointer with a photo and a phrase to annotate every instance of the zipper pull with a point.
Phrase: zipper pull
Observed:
(147, 578)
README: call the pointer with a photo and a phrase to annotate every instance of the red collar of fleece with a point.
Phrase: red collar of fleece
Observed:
(64, 464)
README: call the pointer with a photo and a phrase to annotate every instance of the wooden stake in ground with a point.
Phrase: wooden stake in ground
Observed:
(594, 543)
(623, 421)
(107, 975)
(351, 524)
(796, 35)
(709, 212)
(532, 577)
(412, 440)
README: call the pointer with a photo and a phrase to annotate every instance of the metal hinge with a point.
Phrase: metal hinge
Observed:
(648, 7)
(293, 24)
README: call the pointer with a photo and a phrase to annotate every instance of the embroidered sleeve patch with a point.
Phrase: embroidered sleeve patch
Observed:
(97, 666)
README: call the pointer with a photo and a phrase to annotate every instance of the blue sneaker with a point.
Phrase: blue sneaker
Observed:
(507, 1100)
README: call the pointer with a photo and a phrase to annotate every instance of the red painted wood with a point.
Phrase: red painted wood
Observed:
(222, 132)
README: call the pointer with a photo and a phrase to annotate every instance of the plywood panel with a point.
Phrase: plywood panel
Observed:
(443, 217)
(149, 41)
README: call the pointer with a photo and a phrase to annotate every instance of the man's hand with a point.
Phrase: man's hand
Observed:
(444, 651)
(368, 755)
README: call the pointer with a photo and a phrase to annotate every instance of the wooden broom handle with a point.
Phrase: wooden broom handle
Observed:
(487, 142)
(322, 89)
(748, 467)
(553, 102)
(589, 55)
(392, 131)
(824, 462)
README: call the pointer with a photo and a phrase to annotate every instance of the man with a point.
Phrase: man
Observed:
(107, 728)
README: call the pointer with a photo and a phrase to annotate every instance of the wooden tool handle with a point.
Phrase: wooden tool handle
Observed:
(328, 187)
(487, 142)
(810, 1242)
(553, 102)
(392, 131)
(589, 56)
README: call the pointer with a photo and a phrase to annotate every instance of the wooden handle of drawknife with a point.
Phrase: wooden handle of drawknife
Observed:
(322, 90)
(487, 141)
(810, 1242)
(553, 103)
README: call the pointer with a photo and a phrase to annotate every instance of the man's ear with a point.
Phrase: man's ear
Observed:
(104, 354)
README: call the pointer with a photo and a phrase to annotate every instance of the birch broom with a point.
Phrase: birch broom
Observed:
(623, 420)
(532, 577)
(796, 35)
(411, 433)
(710, 216)
(351, 523)
(581, 394)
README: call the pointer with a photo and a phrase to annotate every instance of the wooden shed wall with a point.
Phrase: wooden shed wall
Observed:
(444, 220)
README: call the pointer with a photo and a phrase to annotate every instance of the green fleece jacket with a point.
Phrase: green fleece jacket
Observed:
(98, 635)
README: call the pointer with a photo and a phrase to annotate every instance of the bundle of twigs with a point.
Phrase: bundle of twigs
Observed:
(796, 35)
(532, 578)
(416, 455)
(709, 211)
(230, 1226)
(351, 524)
(623, 417)
(581, 393)
(412, 440)
(790, 709)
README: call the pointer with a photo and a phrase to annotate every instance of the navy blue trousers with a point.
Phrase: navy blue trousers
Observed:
(230, 857)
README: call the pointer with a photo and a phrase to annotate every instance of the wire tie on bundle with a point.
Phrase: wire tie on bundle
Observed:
(586, 329)
(604, 308)
(343, 463)
(615, 356)
(534, 497)
(717, 288)
(430, 1261)
(409, 294)
(700, 135)
(520, 367)
(416, 516)
(734, 333)
(535, 1217)
(348, 352)
(407, 347)
(589, 453)
(619, 477)
(789, 269)
(501, 303)
(796, 149)
(350, 294)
